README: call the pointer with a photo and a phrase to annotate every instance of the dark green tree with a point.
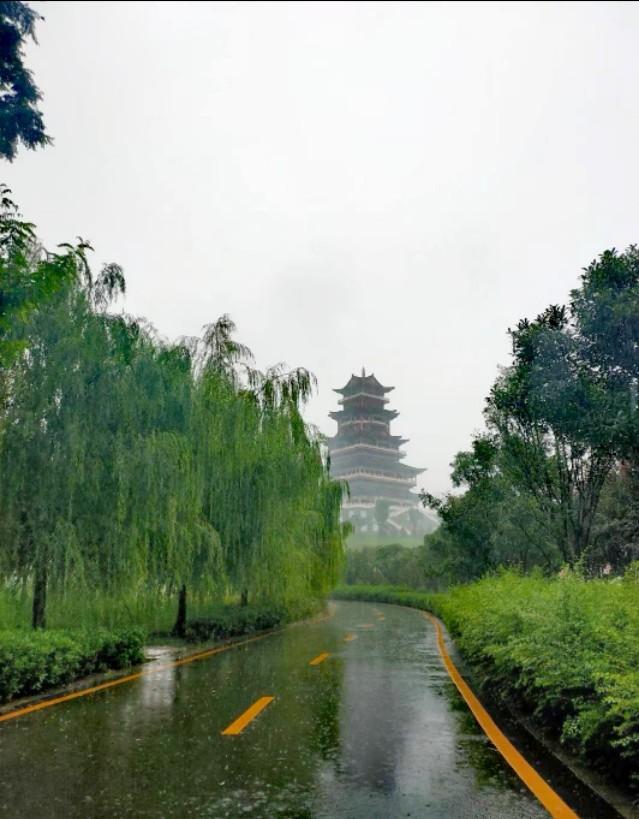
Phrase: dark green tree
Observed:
(29, 276)
(20, 118)
(552, 414)
(561, 418)
(493, 523)
(605, 308)
(382, 510)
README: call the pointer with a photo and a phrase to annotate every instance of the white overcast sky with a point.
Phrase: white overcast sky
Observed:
(388, 185)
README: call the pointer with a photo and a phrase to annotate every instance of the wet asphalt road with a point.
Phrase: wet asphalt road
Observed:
(374, 730)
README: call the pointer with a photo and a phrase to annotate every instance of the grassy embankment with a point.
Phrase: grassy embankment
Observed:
(363, 540)
(564, 650)
(112, 635)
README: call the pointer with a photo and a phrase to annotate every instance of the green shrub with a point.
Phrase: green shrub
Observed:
(390, 594)
(233, 621)
(565, 649)
(31, 662)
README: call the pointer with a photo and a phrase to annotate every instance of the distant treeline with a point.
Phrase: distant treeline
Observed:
(130, 466)
(554, 479)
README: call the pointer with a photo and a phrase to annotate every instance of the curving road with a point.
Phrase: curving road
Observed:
(353, 716)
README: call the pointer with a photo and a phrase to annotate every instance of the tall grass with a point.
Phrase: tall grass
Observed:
(151, 612)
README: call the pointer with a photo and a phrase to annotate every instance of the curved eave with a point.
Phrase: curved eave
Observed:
(361, 447)
(416, 470)
(383, 461)
(372, 477)
(367, 395)
(369, 503)
(358, 381)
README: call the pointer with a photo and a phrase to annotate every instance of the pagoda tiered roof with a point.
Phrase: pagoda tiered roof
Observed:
(363, 452)
(363, 384)
(394, 471)
(362, 395)
(364, 448)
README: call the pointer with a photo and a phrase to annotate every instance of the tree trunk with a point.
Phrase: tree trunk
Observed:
(244, 598)
(179, 629)
(38, 619)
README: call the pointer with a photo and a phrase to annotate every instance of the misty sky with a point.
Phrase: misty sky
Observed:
(388, 185)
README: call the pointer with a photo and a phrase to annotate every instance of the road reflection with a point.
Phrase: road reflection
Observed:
(370, 733)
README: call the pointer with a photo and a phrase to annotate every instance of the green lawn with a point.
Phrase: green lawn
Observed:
(358, 540)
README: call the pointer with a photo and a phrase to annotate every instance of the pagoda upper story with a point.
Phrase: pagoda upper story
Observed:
(364, 452)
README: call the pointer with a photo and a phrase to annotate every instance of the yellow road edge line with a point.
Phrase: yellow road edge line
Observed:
(320, 658)
(238, 725)
(553, 803)
(190, 658)
(84, 692)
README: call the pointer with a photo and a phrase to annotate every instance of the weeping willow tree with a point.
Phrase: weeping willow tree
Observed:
(50, 430)
(130, 465)
(268, 491)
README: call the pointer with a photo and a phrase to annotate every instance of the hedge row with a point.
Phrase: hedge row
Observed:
(31, 662)
(233, 621)
(390, 594)
(564, 649)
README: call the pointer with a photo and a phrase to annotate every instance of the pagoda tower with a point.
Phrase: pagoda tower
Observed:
(364, 453)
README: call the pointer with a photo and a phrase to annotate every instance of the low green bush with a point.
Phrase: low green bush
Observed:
(233, 621)
(425, 601)
(564, 649)
(31, 662)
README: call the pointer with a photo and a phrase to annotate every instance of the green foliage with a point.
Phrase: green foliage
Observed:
(383, 565)
(29, 276)
(493, 523)
(31, 662)
(388, 594)
(560, 419)
(382, 510)
(232, 621)
(358, 540)
(20, 118)
(616, 527)
(553, 420)
(565, 649)
(131, 468)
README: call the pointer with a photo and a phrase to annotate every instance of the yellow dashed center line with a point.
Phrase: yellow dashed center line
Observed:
(248, 716)
(320, 658)
(189, 658)
(553, 803)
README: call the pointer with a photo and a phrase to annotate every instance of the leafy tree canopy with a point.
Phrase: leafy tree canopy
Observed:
(20, 118)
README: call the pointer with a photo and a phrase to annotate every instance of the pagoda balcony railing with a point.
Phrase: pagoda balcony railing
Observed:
(369, 503)
(376, 475)
(352, 421)
(375, 447)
